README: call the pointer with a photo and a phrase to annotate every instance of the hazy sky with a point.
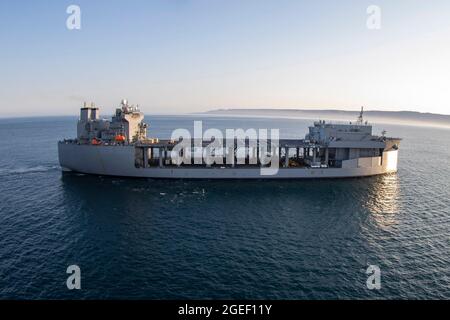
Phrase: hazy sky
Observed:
(178, 56)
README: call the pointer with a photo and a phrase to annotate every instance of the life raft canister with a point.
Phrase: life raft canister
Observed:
(95, 142)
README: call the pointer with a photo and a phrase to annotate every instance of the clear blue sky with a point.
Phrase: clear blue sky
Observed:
(194, 55)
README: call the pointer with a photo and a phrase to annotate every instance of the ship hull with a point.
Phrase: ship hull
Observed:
(119, 161)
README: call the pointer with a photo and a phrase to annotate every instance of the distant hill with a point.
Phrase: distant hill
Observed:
(398, 117)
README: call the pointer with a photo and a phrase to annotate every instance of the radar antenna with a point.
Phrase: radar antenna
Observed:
(360, 117)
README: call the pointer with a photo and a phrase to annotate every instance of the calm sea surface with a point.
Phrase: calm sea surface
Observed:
(156, 239)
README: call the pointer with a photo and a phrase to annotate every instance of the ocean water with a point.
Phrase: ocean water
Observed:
(156, 239)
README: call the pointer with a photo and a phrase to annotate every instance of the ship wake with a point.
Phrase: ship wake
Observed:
(26, 170)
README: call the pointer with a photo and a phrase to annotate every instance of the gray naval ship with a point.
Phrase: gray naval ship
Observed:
(120, 147)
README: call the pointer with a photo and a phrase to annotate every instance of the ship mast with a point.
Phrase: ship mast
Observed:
(360, 120)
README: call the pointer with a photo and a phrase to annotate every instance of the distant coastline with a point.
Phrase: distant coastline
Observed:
(373, 116)
(394, 117)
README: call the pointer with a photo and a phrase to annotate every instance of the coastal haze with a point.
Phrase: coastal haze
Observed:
(392, 117)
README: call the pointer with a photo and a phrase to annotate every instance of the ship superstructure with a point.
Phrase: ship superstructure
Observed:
(120, 147)
(126, 126)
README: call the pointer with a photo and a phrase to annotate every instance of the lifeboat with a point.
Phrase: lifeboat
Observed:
(119, 138)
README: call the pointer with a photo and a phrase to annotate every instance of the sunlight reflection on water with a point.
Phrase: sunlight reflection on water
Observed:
(383, 200)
